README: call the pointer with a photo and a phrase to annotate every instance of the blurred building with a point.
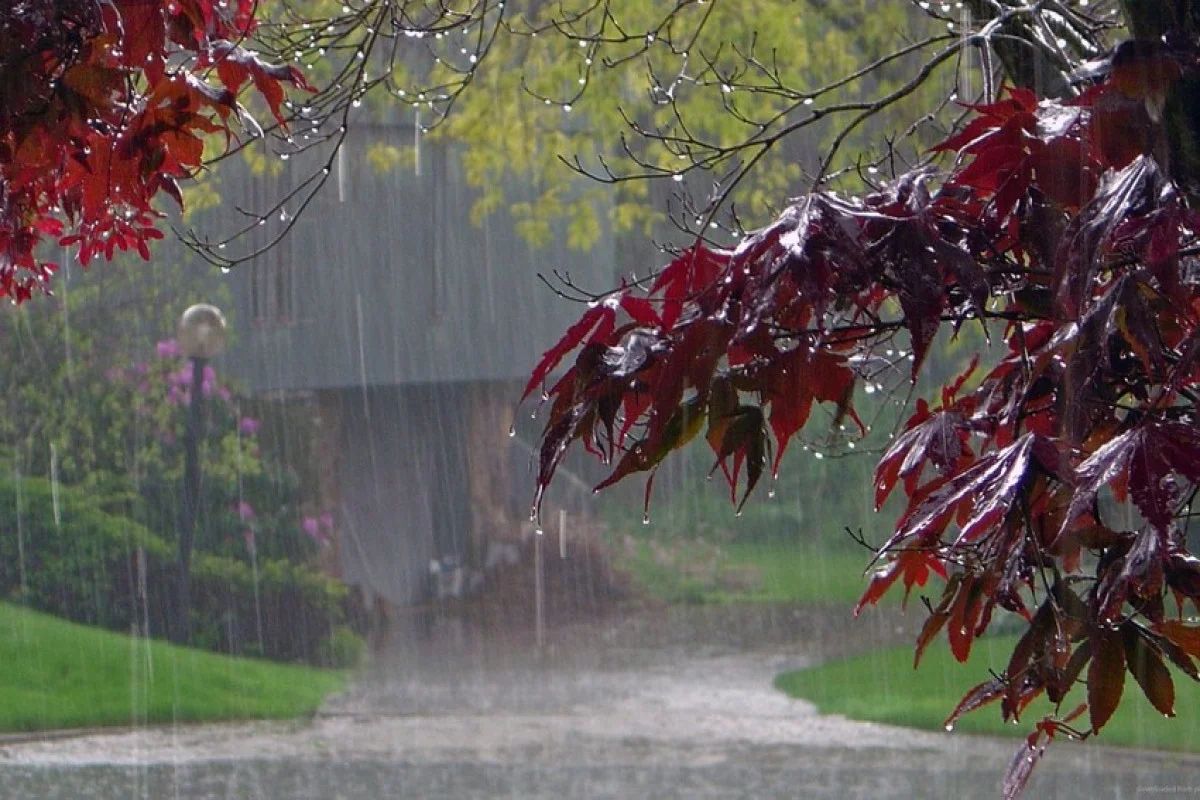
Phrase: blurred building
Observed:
(410, 331)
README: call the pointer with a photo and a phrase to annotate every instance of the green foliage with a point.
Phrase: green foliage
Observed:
(61, 675)
(90, 399)
(882, 686)
(526, 109)
(343, 649)
(62, 554)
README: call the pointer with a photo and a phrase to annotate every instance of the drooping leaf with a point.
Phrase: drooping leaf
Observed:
(1149, 457)
(1106, 679)
(597, 321)
(938, 438)
(1186, 637)
(987, 692)
(1147, 668)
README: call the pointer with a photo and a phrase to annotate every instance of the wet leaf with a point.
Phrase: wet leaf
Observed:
(987, 692)
(1147, 668)
(1106, 679)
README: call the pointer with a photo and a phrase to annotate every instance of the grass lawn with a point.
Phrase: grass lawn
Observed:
(783, 572)
(883, 687)
(57, 674)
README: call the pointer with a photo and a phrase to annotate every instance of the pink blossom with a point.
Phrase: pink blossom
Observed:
(169, 348)
(245, 511)
(327, 521)
(248, 535)
(312, 527)
(248, 426)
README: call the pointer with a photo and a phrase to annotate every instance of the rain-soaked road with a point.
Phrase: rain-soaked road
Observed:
(655, 706)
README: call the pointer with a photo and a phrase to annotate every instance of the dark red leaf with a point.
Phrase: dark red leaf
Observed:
(981, 695)
(598, 321)
(1186, 637)
(1106, 679)
(1147, 668)
(1150, 457)
(937, 438)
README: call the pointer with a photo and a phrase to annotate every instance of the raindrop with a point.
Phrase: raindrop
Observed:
(808, 101)
(512, 431)
(540, 532)
(726, 88)
(819, 455)
(226, 270)
(284, 156)
(567, 107)
(677, 177)
(869, 388)
(949, 727)
(645, 519)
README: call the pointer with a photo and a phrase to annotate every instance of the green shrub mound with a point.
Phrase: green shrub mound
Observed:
(61, 553)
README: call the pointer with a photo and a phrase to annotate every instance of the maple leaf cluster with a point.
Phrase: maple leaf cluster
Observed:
(105, 105)
(1055, 229)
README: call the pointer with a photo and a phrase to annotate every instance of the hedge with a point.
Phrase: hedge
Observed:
(66, 556)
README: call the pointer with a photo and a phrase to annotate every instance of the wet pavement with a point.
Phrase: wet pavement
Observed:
(672, 704)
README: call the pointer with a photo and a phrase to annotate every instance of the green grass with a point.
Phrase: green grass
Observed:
(787, 572)
(57, 674)
(803, 573)
(883, 687)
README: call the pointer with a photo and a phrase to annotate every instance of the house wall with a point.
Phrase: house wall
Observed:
(384, 280)
(414, 329)
(423, 472)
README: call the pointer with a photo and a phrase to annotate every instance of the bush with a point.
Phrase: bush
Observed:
(62, 554)
(343, 649)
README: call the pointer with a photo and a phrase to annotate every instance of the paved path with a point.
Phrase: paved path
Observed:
(600, 713)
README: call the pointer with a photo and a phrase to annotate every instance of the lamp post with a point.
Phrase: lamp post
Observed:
(201, 336)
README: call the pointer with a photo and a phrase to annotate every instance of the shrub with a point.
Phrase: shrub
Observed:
(342, 649)
(62, 554)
